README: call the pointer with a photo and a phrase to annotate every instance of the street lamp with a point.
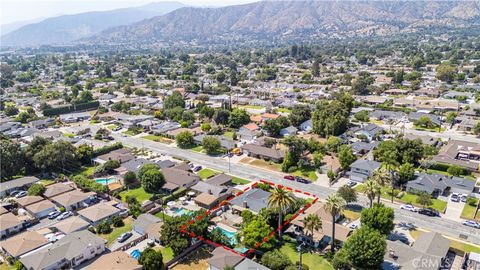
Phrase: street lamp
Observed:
(299, 249)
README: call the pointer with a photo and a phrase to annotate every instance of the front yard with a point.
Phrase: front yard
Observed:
(239, 181)
(206, 173)
(314, 261)
(159, 139)
(138, 193)
(308, 172)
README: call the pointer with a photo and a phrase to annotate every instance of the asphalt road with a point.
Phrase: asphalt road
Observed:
(441, 225)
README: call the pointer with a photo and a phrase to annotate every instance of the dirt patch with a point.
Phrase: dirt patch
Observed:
(246, 160)
(196, 260)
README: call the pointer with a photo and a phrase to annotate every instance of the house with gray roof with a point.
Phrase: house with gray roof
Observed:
(414, 116)
(386, 115)
(16, 184)
(68, 252)
(224, 142)
(288, 131)
(370, 131)
(258, 151)
(210, 194)
(143, 222)
(254, 200)
(307, 126)
(223, 258)
(361, 148)
(439, 184)
(248, 264)
(361, 169)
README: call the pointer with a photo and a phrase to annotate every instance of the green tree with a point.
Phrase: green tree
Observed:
(152, 181)
(299, 114)
(84, 153)
(256, 231)
(378, 217)
(340, 261)
(184, 139)
(238, 118)
(331, 177)
(275, 260)
(362, 116)
(312, 223)
(117, 221)
(406, 172)
(10, 110)
(425, 122)
(371, 189)
(424, 199)
(451, 117)
(332, 118)
(346, 156)
(151, 259)
(206, 127)
(56, 157)
(365, 248)
(211, 144)
(334, 205)
(146, 167)
(104, 227)
(333, 143)
(12, 159)
(347, 193)
(317, 160)
(281, 200)
(174, 100)
(221, 116)
(446, 72)
(129, 178)
(455, 170)
(36, 190)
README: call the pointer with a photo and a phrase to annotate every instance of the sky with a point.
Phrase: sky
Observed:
(25, 10)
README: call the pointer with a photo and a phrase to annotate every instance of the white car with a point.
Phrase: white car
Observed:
(64, 215)
(408, 207)
(472, 224)
(21, 194)
(455, 197)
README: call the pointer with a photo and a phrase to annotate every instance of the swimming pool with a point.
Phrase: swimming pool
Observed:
(106, 181)
(232, 236)
(183, 211)
(135, 254)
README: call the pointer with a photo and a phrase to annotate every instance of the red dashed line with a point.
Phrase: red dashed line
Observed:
(306, 193)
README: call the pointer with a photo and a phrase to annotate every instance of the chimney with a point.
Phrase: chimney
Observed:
(245, 204)
(210, 191)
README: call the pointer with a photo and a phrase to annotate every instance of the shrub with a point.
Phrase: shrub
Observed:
(117, 221)
(104, 227)
(472, 201)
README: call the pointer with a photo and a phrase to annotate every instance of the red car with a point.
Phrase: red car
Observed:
(289, 177)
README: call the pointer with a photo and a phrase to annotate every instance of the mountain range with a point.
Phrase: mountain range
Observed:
(68, 28)
(267, 20)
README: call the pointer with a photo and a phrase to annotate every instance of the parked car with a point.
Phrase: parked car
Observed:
(122, 238)
(301, 180)
(463, 197)
(351, 183)
(472, 224)
(64, 215)
(53, 214)
(15, 192)
(455, 197)
(198, 168)
(408, 207)
(21, 194)
(429, 212)
(289, 177)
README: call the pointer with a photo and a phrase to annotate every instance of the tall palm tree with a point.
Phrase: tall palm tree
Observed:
(312, 223)
(382, 177)
(281, 200)
(334, 205)
(371, 190)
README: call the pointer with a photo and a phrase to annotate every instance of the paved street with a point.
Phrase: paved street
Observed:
(447, 227)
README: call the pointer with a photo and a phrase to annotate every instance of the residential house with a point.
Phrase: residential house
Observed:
(307, 126)
(177, 177)
(386, 115)
(57, 189)
(72, 200)
(468, 124)
(10, 224)
(248, 264)
(428, 252)
(220, 180)
(23, 243)
(370, 131)
(248, 132)
(27, 200)
(121, 155)
(396, 92)
(210, 195)
(257, 151)
(40, 209)
(75, 117)
(224, 142)
(118, 260)
(16, 184)
(253, 200)
(164, 127)
(425, 139)
(148, 224)
(322, 236)
(72, 224)
(429, 92)
(439, 184)
(414, 116)
(223, 258)
(361, 169)
(373, 100)
(68, 252)
(97, 213)
(41, 123)
(361, 148)
(461, 153)
(288, 131)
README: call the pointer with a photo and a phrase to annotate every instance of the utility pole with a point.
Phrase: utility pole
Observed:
(299, 249)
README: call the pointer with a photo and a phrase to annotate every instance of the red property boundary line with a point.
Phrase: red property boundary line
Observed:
(270, 235)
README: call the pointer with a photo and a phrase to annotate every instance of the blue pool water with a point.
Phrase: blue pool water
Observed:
(135, 254)
(105, 181)
(230, 235)
(183, 211)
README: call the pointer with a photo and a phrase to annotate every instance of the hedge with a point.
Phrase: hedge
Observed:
(107, 149)
(444, 167)
(175, 195)
(71, 108)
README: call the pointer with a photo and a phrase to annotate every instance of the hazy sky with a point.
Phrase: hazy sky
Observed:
(21, 10)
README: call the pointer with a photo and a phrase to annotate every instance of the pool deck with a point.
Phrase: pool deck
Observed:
(227, 228)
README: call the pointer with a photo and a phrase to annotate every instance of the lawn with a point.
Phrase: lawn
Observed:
(437, 204)
(138, 193)
(46, 182)
(167, 253)
(112, 126)
(252, 107)
(111, 237)
(308, 172)
(206, 173)
(267, 165)
(435, 129)
(314, 261)
(239, 181)
(197, 148)
(87, 170)
(469, 212)
(284, 110)
(351, 215)
(469, 177)
(159, 139)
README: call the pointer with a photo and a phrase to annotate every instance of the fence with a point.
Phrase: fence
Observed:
(185, 253)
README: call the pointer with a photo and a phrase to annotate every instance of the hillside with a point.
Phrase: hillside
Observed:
(276, 20)
(67, 28)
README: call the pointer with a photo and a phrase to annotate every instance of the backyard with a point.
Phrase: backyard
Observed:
(138, 193)
(314, 261)
(111, 237)
(469, 176)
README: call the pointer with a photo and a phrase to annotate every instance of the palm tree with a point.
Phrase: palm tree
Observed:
(281, 200)
(382, 177)
(312, 223)
(334, 205)
(371, 190)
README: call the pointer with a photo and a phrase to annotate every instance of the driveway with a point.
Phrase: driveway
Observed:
(454, 210)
